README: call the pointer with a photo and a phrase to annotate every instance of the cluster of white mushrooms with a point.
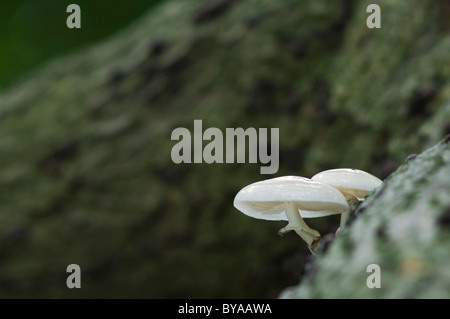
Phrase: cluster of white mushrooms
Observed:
(292, 198)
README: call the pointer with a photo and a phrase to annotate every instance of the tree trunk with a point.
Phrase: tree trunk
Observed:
(397, 244)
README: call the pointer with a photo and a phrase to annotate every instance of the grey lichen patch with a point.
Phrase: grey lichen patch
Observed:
(404, 229)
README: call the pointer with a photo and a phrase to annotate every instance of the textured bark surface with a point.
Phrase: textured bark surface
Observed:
(403, 228)
(85, 170)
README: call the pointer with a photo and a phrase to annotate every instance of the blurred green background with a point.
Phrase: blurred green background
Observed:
(32, 32)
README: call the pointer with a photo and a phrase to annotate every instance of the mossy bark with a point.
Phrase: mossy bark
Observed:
(403, 228)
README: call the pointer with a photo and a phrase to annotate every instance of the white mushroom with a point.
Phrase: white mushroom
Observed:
(354, 184)
(291, 198)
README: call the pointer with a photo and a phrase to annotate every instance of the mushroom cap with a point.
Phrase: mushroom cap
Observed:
(348, 180)
(265, 199)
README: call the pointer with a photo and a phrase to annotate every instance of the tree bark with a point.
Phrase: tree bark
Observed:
(402, 228)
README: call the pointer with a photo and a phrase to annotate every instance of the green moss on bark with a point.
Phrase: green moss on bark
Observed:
(403, 227)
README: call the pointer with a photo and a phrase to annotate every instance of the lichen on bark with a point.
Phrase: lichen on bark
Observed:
(403, 228)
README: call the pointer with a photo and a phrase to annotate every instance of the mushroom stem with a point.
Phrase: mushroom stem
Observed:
(353, 202)
(297, 224)
(344, 218)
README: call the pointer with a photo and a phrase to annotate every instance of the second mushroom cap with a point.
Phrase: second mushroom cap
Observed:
(349, 181)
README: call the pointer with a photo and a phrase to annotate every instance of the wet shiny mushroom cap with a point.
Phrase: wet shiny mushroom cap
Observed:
(353, 181)
(265, 199)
